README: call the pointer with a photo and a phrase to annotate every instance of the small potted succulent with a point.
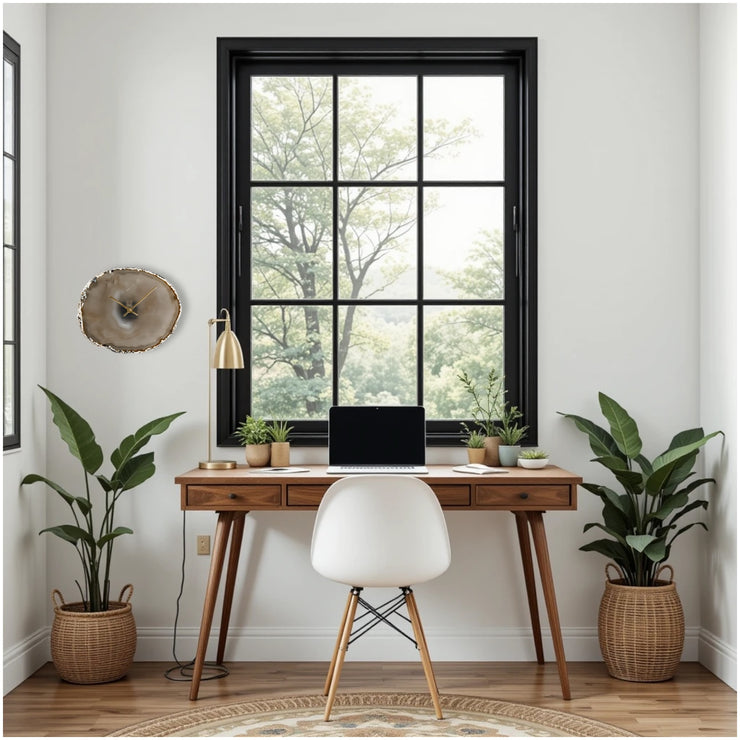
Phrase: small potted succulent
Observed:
(280, 445)
(254, 434)
(511, 434)
(533, 458)
(475, 441)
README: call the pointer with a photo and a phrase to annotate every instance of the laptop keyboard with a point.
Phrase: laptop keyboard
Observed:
(349, 469)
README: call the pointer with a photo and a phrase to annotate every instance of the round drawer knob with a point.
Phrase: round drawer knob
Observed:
(523, 495)
(232, 495)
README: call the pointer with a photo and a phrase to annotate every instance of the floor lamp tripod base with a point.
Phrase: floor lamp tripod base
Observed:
(217, 464)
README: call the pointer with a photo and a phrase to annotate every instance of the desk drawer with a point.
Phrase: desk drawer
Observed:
(523, 496)
(308, 495)
(227, 497)
(305, 495)
(455, 495)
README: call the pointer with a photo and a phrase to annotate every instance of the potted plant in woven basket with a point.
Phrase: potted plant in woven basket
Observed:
(94, 640)
(641, 625)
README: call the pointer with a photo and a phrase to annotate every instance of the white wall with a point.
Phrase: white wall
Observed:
(25, 594)
(132, 173)
(718, 371)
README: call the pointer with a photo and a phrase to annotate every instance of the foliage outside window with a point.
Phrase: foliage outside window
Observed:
(372, 242)
(11, 243)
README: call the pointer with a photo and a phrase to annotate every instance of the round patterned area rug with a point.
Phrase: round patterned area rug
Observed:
(373, 715)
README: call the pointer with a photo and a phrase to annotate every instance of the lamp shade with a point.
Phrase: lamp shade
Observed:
(228, 352)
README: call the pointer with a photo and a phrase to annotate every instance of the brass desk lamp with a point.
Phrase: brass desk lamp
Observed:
(227, 356)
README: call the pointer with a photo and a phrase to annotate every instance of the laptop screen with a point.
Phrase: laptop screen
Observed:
(377, 435)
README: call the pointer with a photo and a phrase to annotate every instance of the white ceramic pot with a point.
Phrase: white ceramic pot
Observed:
(533, 464)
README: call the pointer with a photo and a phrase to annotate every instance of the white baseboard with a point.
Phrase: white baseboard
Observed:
(272, 644)
(382, 645)
(23, 659)
(719, 657)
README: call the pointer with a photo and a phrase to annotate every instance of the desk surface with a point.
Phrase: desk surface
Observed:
(245, 488)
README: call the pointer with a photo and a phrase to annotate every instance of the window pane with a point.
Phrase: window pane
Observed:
(469, 338)
(377, 128)
(377, 243)
(8, 390)
(291, 361)
(9, 293)
(8, 107)
(8, 201)
(476, 117)
(463, 252)
(377, 355)
(291, 128)
(291, 243)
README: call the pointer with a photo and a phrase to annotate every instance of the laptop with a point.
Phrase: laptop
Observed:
(377, 439)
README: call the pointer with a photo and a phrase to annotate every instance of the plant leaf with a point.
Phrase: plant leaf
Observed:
(622, 425)
(656, 551)
(70, 533)
(135, 471)
(676, 453)
(611, 549)
(639, 541)
(76, 432)
(602, 443)
(117, 532)
(33, 478)
(134, 442)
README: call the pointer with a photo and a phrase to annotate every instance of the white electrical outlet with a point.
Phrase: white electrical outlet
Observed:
(203, 544)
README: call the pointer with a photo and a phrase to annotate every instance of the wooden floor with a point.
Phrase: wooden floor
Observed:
(695, 703)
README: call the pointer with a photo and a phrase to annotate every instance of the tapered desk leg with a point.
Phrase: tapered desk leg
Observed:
(237, 534)
(548, 589)
(223, 527)
(525, 546)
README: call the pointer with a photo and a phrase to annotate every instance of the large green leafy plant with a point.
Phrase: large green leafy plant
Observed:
(642, 522)
(93, 538)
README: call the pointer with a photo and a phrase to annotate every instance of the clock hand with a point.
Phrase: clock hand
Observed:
(146, 296)
(129, 309)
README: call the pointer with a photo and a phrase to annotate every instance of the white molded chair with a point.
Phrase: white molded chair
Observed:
(382, 531)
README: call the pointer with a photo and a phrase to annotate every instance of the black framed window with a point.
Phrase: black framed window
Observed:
(11, 243)
(377, 226)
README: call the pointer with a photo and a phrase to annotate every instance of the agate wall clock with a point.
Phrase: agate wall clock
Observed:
(128, 309)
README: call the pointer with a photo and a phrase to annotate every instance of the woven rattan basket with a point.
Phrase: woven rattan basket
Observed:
(93, 647)
(641, 629)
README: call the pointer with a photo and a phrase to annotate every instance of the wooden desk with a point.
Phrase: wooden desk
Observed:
(234, 493)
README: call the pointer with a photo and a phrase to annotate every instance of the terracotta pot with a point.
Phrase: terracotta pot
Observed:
(476, 454)
(257, 455)
(280, 454)
(491, 448)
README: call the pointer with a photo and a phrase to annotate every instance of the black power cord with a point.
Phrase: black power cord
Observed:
(184, 671)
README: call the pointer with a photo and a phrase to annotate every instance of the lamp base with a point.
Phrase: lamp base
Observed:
(217, 464)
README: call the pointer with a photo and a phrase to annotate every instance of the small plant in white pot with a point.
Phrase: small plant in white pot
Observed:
(533, 459)
(511, 433)
(254, 434)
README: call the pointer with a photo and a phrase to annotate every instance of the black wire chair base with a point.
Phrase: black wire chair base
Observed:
(375, 615)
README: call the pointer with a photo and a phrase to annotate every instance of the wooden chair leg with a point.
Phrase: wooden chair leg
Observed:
(329, 675)
(339, 662)
(424, 650)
